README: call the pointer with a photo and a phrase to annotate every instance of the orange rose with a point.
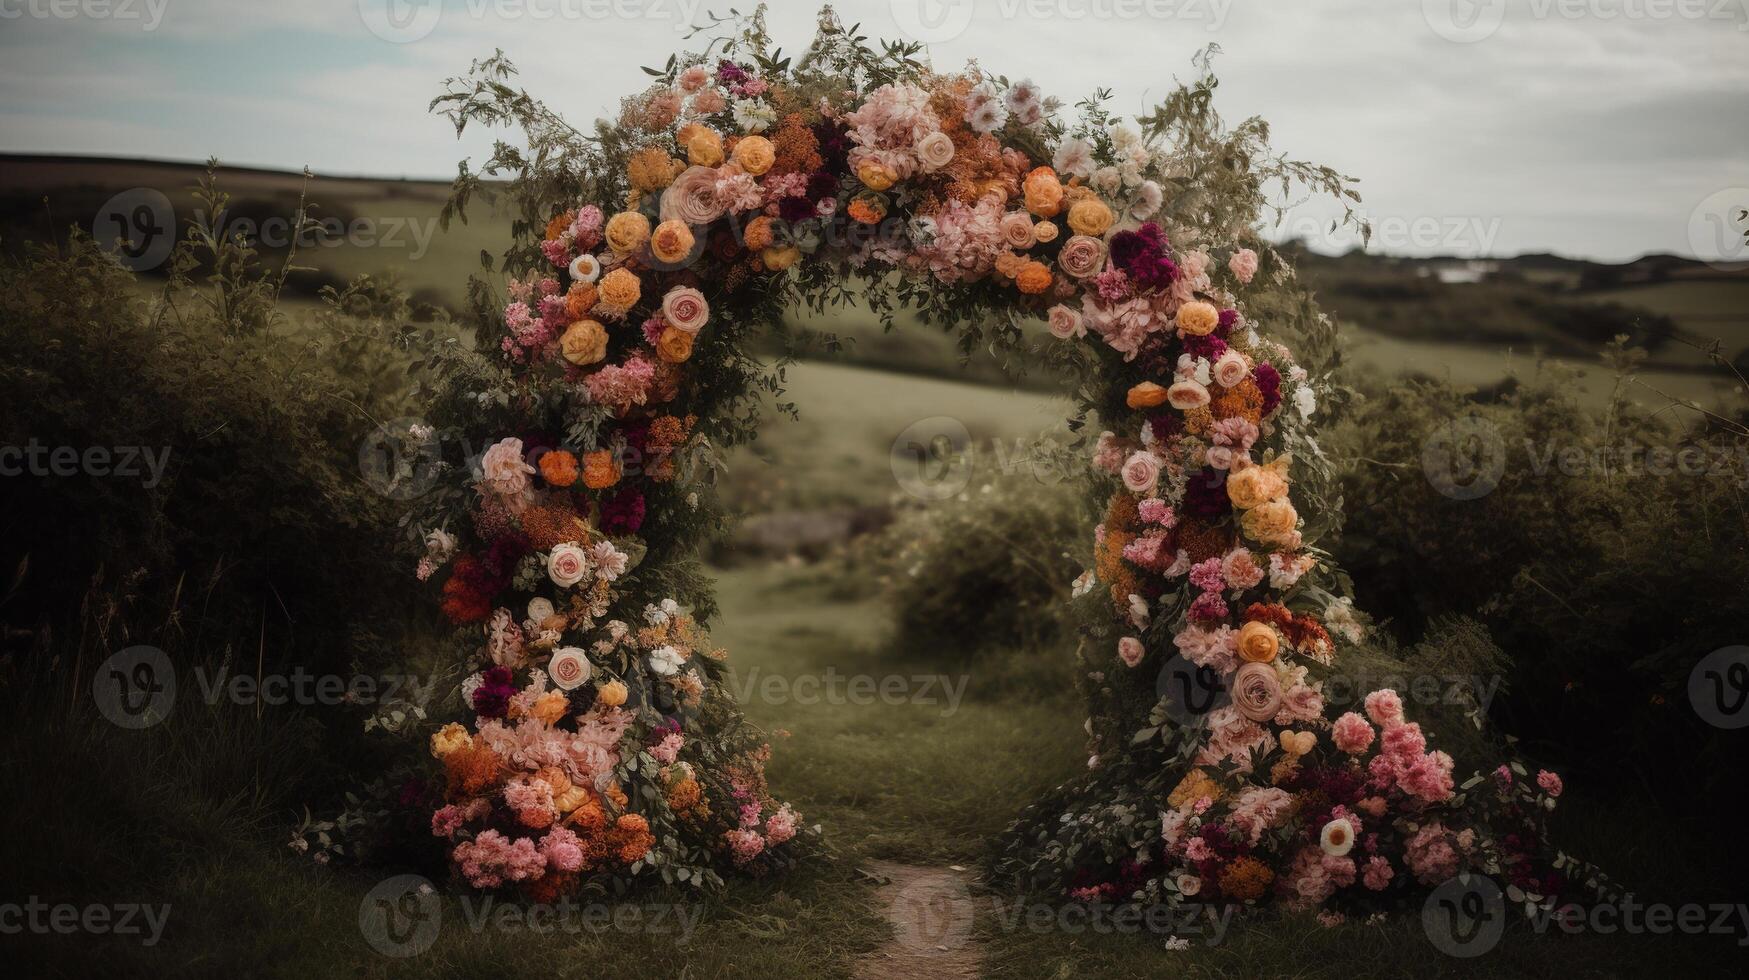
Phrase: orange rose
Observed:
(1044, 193)
(1258, 643)
(704, 148)
(1271, 523)
(620, 288)
(599, 469)
(671, 241)
(674, 346)
(759, 234)
(584, 342)
(876, 176)
(1089, 216)
(627, 231)
(754, 154)
(1146, 395)
(612, 694)
(559, 468)
(1034, 278)
(780, 257)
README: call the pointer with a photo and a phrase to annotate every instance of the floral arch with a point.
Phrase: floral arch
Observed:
(600, 743)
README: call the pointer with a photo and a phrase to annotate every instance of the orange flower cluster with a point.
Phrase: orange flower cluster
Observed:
(1243, 400)
(798, 151)
(472, 771)
(558, 468)
(554, 523)
(1304, 632)
(1246, 879)
(600, 469)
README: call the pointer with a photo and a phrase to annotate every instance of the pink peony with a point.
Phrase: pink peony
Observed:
(1351, 734)
(1384, 707)
(1378, 873)
(1243, 264)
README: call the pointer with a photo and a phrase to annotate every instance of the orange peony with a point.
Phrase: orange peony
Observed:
(1034, 277)
(580, 299)
(1089, 216)
(650, 169)
(704, 148)
(759, 234)
(558, 468)
(600, 471)
(1197, 318)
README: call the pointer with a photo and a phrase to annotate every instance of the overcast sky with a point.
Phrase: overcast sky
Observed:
(1595, 128)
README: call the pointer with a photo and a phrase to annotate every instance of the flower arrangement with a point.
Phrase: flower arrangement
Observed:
(601, 741)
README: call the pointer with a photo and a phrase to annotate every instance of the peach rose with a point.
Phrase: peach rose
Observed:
(1198, 318)
(674, 346)
(704, 148)
(1186, 395)
(934, 151)
(1045, 231)
(584, 343)
(1272, 522)
(1256, 692)
(692, 197)
(1017, 231)
(1043, 192)
(1230, 369)
(754, 154)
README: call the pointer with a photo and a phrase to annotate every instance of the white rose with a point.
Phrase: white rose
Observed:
(1306, 401)
(935, 151)
(540, 610)
(666, 661)
(567, 564)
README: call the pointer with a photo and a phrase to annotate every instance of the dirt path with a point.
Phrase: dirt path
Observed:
(932, 915)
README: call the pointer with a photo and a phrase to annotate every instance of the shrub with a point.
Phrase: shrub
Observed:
(1604, 581)
(989, 567)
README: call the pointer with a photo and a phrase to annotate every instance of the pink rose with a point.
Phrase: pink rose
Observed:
(692, 197)
(1018, 231)
(1256, 692)
(1550, 782)
(503, 469)
(685, 309)
(1082, 256)
(1065, 322)
(1141, 472)
(1243, 264)
(567, 564)
(1129, 650)
(1186, 395)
